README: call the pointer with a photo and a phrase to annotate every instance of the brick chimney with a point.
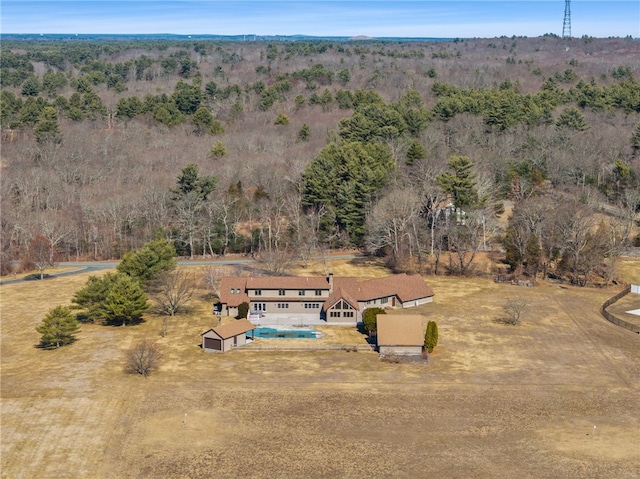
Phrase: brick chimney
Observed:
(330, 281)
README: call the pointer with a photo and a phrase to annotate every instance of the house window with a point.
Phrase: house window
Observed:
(258, 292)
(283, 305)
(301, 292)
(233, 290)
(281, 292)
(343, 305)
(348, 314)
(237, 290)
(384, 300)
(311, 306)
(334, 314)
(318, 292)
(259, 306)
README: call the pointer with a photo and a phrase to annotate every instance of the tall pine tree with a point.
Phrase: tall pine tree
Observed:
(125, 301)
(460, 181)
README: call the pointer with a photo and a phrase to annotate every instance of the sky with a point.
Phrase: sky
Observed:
(373, 18)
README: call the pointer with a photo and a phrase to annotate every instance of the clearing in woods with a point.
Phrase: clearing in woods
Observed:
(495, 401)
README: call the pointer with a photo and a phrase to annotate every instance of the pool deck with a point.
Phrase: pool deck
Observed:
(292, 323)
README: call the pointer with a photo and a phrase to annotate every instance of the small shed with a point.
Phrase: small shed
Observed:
(226, 337)
(401, 334)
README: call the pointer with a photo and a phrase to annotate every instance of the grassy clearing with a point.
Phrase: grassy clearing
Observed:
(628, 269)
(494, 401)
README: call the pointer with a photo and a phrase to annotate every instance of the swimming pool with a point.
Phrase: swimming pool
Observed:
(275, 333)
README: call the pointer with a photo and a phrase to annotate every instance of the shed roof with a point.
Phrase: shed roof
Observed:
(400, 330)
(230, 330)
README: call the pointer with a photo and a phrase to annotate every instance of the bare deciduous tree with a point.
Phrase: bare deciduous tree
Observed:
(514, 308)
(39, 254)
(390, 224)
(174, 291)
(211, 277)
(143, 358)
(276, 261)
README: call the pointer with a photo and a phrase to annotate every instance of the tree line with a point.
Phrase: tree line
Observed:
(354, 156)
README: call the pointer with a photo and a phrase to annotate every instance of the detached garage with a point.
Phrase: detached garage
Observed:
(400, 334)
(226, 337)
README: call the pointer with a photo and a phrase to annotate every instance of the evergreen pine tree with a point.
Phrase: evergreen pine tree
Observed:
(125, 301)
(149, 261)
(460, 181)
(571, 119)
(218, 150)
(58, 328)
(47, 129)
(304, 133)
(92, 296)
(415, 152)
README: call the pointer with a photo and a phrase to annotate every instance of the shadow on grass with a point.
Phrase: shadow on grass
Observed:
(36, 277)
(120, 323)
(372, 339)
(507, 321)
(53, 347)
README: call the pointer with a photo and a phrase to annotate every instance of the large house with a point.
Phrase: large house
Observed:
(306, 299)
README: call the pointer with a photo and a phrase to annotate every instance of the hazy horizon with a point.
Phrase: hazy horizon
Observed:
(322, 18)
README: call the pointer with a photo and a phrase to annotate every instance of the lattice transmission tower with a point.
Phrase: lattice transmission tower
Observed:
(566, 25)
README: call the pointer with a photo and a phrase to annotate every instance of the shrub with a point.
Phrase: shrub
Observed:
(143, 358)
(281, 119)
(431, 336)
(369, 320)
(243, 310)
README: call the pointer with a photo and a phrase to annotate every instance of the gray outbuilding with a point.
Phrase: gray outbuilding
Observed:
(226, 337)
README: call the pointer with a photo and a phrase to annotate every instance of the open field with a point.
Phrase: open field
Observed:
(495, 401)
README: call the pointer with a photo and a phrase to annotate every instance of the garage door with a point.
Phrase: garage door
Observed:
(213, 343)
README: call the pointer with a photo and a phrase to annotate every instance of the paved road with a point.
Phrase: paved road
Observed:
(94, 266)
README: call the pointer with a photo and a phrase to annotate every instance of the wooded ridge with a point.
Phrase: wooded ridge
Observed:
(283, 149)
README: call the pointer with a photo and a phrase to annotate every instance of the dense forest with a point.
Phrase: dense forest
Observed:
(423, 152)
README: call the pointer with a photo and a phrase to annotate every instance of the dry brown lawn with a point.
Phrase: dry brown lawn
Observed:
(495, 401)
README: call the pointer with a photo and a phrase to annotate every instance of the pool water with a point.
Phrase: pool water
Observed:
(274, 333)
